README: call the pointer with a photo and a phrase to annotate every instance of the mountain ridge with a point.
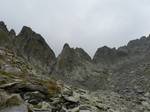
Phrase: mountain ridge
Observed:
(115, 80)
(12, 30)
(74, 64)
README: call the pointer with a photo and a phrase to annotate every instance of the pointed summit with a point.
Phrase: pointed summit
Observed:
(67, 51)
(66, 47)
(3, 26)
(26, 31)
(12, 33)
(105, 55)
(34, 48)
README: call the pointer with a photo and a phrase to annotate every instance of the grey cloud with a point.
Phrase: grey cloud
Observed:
(81, 23)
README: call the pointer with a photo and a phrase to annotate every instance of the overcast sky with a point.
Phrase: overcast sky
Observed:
(81, 23)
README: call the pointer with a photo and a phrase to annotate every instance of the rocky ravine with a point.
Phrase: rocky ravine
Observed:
(115, 80)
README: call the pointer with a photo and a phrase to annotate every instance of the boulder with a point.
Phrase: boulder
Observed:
(11, 103)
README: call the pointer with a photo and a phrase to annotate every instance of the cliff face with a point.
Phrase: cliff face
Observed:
(29, 45)
(70, 58)
(5, 40)
(33, 47)
(128, 66)
(111, 56)
(75, 67)
(107, 56)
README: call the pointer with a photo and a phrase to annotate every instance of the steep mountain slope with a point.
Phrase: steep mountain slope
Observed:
(30, 46)
(75, 67)
(105, 56)
(130, 69)
(33, 47)
(135, 49)
(5, 40)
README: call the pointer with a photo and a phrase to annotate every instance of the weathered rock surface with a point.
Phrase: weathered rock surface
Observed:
(3, 26)
(29, 45)
(11, 103)
(33, 47)
(74, 66)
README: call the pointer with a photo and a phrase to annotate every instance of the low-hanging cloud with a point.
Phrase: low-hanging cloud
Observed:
(81, 23)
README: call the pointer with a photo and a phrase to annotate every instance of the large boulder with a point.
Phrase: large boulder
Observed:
(11, 103)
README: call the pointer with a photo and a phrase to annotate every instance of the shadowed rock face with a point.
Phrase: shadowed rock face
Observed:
(3, 26)
(105, 55)
(128, 65)
(81, 53)
(5, 41)
(108, 56)
(66, 59)
(70, 58)
(111, 56)
(33, 47)
(74, 66)
(29, 45)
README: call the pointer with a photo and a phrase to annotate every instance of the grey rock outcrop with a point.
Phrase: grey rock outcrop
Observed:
(29, 45)
(33, 47)
(71, 58)
(11, 103)
(128, 66)
(106, 56)
(3, 26)
(5, 41)
(74, 66)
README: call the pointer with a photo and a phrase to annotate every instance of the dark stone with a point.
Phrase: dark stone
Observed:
(3, 26)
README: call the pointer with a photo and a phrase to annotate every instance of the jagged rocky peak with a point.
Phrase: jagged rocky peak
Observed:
(70, 58)
(67, 53)
(74, 53)
(66, 58)
(139, 42)
(5, 41)
(79, 52)
(28, 34)
(139, 46)
(34, 48)
(12, 31)
(105, 50)
(106, 55)
(103, 53)
(67, 50)
(27, 31)
(66, 46)
(3, 26)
